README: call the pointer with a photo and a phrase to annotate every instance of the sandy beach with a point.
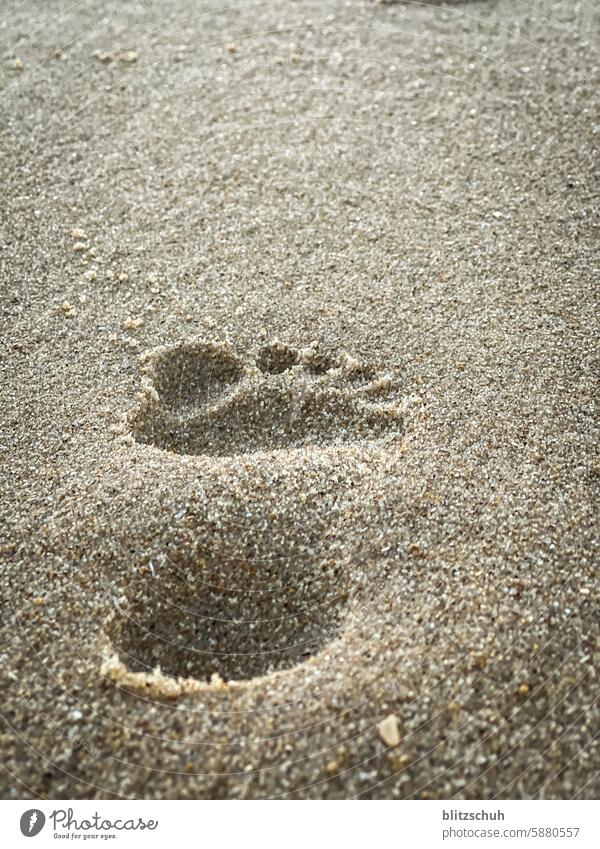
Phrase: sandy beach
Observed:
(299, 392)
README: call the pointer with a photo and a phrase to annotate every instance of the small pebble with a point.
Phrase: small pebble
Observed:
(389, 731)
(132, 323)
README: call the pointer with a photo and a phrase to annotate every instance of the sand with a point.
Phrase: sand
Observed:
(299, 383)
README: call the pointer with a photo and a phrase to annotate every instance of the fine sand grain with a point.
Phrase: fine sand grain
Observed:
(299, 385)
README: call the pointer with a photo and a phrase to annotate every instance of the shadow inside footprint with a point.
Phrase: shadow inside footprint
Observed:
(203, 398)
(276, 358)
(191, 377)
(263, 618)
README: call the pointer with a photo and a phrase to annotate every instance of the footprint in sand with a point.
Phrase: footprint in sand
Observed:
(257, 597)
(202, 398)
